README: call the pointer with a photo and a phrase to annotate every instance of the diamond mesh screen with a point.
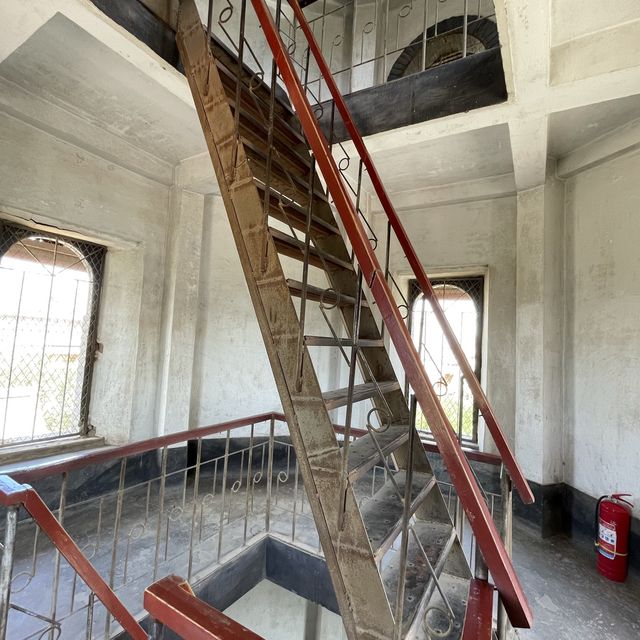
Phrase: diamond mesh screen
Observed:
(48, 311)
(462, 301)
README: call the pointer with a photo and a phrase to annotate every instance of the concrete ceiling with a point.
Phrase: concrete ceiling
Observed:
(463, 157)
(571, 19)
(574, 128)
(66, 68)
(70, 69)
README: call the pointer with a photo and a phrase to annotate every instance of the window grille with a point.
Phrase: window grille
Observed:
(462, 301)
(48, 315)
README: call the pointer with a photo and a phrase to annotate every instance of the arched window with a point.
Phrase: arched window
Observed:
(48, 310)
(462, 301)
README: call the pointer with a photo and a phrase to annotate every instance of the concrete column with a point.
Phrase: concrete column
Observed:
(539, 344)
(179, 309)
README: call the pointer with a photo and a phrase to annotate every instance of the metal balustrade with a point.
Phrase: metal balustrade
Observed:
(181, 504)
(367, 44)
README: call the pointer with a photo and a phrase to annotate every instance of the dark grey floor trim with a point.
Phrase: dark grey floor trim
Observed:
(303, 573)
(562, 509)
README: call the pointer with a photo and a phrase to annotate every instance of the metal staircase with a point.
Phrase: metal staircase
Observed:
(397, 564)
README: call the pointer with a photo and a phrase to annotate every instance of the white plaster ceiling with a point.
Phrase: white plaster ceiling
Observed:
(571, 129)
(70, 69)
(571, 19)
(463, 157)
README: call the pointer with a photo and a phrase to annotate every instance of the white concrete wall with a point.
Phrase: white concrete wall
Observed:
(181, 343)
(475, 237)
(277, 614)
(46, 180)
(602, 362)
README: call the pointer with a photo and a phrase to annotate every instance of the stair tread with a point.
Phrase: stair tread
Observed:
(295, 214)
(363, 453)
(457, 591)
(437, 539)
(382, 513)
(294, 248)
(319, 294)
(340, 397)
(330, 341)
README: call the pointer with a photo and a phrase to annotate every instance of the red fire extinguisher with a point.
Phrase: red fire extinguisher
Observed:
(613, 522)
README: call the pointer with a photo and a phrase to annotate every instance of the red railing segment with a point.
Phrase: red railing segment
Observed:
(13, 494)
(485, 408)
(171, 602)
(478, 623)
(462, 477)
(36, 472)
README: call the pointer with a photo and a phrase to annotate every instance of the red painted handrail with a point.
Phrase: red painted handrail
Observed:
(479, 396)
(478, 623)
(36, 472)
(462, 477)
(13, 494)
(171, 602)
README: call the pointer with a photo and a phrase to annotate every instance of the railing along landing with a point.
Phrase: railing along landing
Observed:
(107, 524)
(370, 43)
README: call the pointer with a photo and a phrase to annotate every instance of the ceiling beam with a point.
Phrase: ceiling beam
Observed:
(65, 125)
(529, 150)
(617, 142)
(454, 193)
(596, 54)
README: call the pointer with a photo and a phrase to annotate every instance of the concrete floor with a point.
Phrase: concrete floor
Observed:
(570, 600)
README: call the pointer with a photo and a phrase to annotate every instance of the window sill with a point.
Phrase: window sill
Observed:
(13, 457)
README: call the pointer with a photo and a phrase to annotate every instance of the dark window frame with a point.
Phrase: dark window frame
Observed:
(93, 257)
(473, 286)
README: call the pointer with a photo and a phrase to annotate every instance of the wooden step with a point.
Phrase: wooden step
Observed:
(437, 540)
(363, 452)
(330, 341)
(294, 214)
(317, 294)
(365, 391)
(294, 248)
(382, 514)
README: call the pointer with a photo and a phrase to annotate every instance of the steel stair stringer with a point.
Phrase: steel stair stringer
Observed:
(488, 537)
(353, 545)
(351, 561)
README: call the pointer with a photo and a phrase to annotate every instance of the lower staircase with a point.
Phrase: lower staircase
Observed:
(397, 564)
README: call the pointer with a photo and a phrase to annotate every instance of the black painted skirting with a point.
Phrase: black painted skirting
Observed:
(562, 509)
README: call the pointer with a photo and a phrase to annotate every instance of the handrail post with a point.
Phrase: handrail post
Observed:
(506, 529)
(6, 567)
(267, 517)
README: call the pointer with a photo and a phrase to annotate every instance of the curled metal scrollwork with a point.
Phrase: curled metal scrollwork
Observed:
(443, 615)
(441, 387)
(384, 417)
(324, 304)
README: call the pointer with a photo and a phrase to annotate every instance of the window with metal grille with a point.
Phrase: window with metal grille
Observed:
(462, 301)
(50, 288)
